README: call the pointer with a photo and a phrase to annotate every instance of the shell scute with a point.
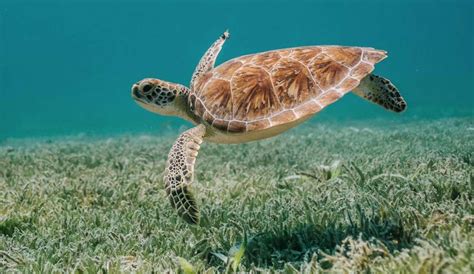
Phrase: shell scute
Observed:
(346, 56)
(228, 69)
(329, 97)
(252, 93)
(308, 108)
(374, 56)
(348, 84)
(236, 126)
(293, 83)
(218, 98)
(285, 52)
(266, 59)
(221, 124)
(283, 117)
(258, 124)
(327, 72)
(200, 82)
(304, 55)
(361, 70)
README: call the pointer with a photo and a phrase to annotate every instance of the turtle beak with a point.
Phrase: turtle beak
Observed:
(135, 93)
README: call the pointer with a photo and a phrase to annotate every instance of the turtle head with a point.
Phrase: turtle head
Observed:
(160, 96)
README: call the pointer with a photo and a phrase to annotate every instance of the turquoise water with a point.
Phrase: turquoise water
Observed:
(67, 66)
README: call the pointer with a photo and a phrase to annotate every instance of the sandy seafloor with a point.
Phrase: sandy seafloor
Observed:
(383, 197)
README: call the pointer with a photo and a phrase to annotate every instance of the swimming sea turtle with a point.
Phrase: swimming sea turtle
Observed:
(257, 96)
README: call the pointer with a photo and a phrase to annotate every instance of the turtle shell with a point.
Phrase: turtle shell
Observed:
(259, 91)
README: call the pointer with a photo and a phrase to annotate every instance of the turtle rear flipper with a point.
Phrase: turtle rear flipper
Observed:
(179, 173)
(382, 92)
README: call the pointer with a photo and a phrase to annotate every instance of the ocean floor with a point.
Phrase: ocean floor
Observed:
(385, 198)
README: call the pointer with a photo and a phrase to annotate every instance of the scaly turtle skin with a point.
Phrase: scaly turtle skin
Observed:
(257, 96)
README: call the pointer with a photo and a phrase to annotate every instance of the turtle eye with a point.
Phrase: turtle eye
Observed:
(147, 87)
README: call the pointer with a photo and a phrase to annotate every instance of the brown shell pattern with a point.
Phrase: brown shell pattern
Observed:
(262, 90)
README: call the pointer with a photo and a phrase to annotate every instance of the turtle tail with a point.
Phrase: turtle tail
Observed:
(382, 92)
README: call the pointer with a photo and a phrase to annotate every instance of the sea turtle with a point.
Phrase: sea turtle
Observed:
(257, 96)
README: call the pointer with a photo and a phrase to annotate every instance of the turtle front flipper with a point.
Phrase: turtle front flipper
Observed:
(209, 58)
(179, 173)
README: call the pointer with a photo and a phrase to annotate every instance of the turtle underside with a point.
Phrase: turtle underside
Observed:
(263, 90)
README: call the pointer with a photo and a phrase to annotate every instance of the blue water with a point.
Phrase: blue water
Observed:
(66, 67)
